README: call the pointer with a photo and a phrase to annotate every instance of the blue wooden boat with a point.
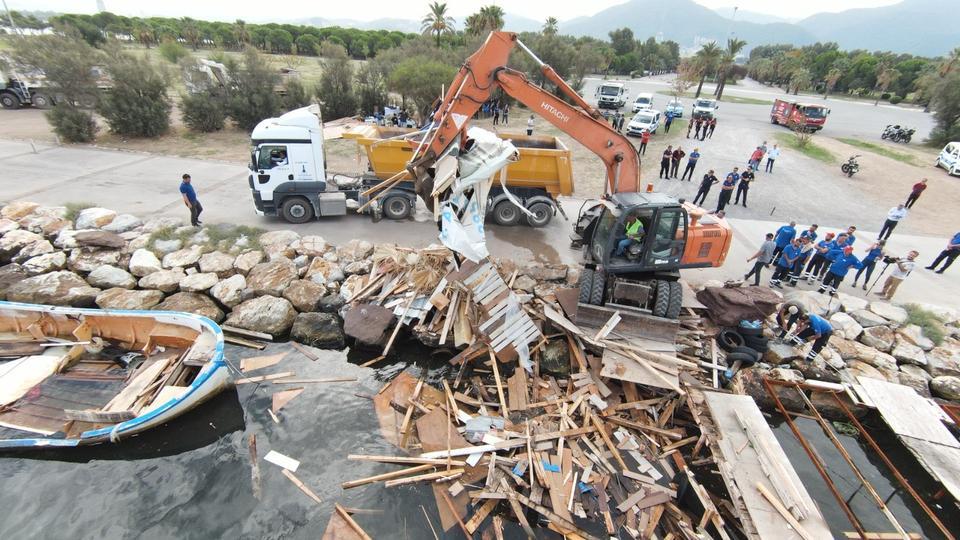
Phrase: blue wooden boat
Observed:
(72, 377)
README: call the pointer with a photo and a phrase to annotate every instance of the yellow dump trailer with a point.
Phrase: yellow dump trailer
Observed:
(542, 173)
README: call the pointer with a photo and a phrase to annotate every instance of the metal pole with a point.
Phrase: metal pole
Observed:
(884, 269)
(815, 460)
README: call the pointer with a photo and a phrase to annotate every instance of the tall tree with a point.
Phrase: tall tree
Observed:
(622, 41)
(551, 26)
(706, 61)
(241, 33)
(734, 46)
(492, 17)
(885, 78)
(800, 79)
(437, 22)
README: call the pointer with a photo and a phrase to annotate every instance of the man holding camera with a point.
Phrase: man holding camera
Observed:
(901, 269)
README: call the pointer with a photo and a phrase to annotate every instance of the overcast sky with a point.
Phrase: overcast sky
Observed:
(285, 10)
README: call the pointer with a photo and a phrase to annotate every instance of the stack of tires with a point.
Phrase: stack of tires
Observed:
(745, 343)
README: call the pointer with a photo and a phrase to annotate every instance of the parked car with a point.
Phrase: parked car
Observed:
(645, 120)
(675, 108)
(643, 101)
(949, 158)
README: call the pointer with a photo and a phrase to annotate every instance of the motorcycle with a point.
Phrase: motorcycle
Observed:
(851, 166)
(889, 131)
(897, 134)
(904, 135)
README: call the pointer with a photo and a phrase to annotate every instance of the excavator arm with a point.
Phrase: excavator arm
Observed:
(481, 75)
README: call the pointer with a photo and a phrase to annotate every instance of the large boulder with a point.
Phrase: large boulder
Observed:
(123, 223)
(102, 239)
(278, 244)
(355, 250)
(780, 353)
(878, 337)
(7, 225)
(14, 241)
(878, 359)
(143, 262)
(847, 349)
(10, 274)
(32, 250)
(749, 381)
(817, 369)
(920, 384)
(229, 292)
(323, 271)
(109, 277)
(18, 209)
(164, 247)
(304, 295)
(369, 324)
(48, 262)
(943, 361)
(351, 285)
(858, 368)
(198, 282)
(867, 318)
(94, 218)
(46, 224)
(916, 371)
(889, 311)
(845, 326)
(913, 335)
(264, 314)
(907, 353)
(87, 260)
(161, 222)
(188, 302)
(118, 298)
(247, 260)
(331, 303)
(272, 277)
(167, 281)
(310, 245)
(851, 303)
(320, 330)
(183, 257)
(217, 262)
(946, 387)
(545, 272)
(61, 288)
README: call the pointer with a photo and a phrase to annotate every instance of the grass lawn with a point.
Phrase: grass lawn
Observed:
(880, 149)
(811, 149)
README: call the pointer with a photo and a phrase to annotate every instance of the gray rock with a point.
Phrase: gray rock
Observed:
(304, 295)
(162, 222)
(320, 330)
(167, 281)
(358, 267)
(867, 319)
(785, 374)
(545, 272)
(330, 303)
(920, 384)
(135, 242)
(87, 260)
(229, 292)
(851, 303)
(369, 324)
(355, 250)
(143, 262)
(845, 348)
(188, 302)
(167, 246)
(858, 368)
(109, 277)
(14, 241)
(32, 250)
(780, 353)
(61, 288)
(943, 361)
(272, 277)
(264, 314)
(889, 311)
(907, 353)
(878, 337)
(94, 218)
(845, 326)
(198, 282)
(913, 335)
(123, 223)
(126, 299)
(281, 238)
(18, 209)
(102, 239)
(878, 359)
(816, 370)
(310, 245)
(946, 387)
(351, 285)
(7, 225)
(10, 274)
(916, 371)
(183, 257)
(246, 261)
(217, 262)
(65, 239)
(524, 283)
(44, 224)
(48, 262)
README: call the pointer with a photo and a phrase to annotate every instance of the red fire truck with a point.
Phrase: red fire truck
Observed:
(791, 113)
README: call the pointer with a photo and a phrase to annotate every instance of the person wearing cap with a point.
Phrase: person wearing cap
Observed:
(869, 262)
(810, 233)
(838, 270)
(816, 329)
(819, 257)
(784, 236)
(788, 257)
(788, 315)
(949, 254)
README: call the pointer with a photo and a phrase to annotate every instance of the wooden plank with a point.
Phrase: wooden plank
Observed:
(517, 385)
(772, 499)
(284, 380)
(303, 487)
(504, 411)
(280, 399)
(262, 378)
(305, 351)
(259, 362)
(386, 476)
(480, 515)
(144, 377)
(406, 460)
(235, 340)
(246, 333)
(623, 368)
(353, 524)
(99, 417)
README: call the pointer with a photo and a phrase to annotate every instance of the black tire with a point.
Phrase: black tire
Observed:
(676, 300)
(745, 351)
(397, 207)
(41, 101)
(729, 339)
(586, 285)
(542, 214)
(906, 139)
(661, 303)
(9, 101)
(506, 214)
(845, 168)
(598, 287)
(296, 210)
(757, 344)
(743, 358)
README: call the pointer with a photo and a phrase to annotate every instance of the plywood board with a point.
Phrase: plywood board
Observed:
(743, 463)
(622, 368)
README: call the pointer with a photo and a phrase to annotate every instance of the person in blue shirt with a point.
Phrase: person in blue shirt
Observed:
(819, 258)
(785, 263)
(783, 237)
(816, 329)
(835, 250)
(190, 199)
(950, 253)
(810, 233)
(869, 262)
(691, 164)
(850, 237)
(838, 270)
(807, 249)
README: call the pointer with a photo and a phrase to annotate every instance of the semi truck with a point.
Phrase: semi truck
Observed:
(611, 95)
(803, 115)
(288, 175)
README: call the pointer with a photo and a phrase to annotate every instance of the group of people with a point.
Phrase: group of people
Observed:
(616, 121)
(499, 111)
(670, 162)
(702, 127)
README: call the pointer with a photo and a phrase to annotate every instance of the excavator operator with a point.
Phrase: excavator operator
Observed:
(634, 233)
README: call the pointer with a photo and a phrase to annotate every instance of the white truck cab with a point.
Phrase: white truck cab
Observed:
(611, 95)
(704, 108)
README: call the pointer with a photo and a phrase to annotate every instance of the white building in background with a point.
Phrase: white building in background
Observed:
(101, 6)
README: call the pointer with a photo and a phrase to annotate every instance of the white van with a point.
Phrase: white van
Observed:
(949, 158)
(645, 120)
(643, 101)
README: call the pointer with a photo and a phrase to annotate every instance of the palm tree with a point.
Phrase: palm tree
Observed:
(950, 62)
(885, 78)
(190, 33)
(240, 33)
(551, 26)
(734, 46)
(472, 25)
(706, 60)
(800, 79)
(832, 77)
(492, 17)
(437, 22)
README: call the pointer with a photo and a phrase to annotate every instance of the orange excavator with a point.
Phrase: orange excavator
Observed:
(626, 265)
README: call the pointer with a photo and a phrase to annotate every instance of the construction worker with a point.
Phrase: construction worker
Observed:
(902, 269)
(665, 162)
(951, 253)
(816, 329)
(788, 315)
(810, 233)
(788, 256)
(783, 237)
(634, 233)
(763, 256)
(708, 181)
(838, 270)
(819, 257)
(869, 262)
(806, 251)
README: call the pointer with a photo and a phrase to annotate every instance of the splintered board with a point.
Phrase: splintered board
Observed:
(622, 368)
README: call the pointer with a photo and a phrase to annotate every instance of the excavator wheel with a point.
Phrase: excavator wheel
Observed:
(599, 284)
(676, 300)
(661, 304)
(586, 285)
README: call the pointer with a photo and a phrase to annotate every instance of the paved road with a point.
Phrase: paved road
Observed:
(146, 185)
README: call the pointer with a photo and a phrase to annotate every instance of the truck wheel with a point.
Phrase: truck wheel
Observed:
(397, 207)
(599, 285)
(87, 101)
(542, 214)
(505, 213)
(9, 101)
(773, 120)
(661, 302)
(296, 210)
(676, 300)
(41, 101)
(586, 285)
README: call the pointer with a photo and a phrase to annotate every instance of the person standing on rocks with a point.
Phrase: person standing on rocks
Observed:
(675, 161)
(874, 252)
(950, 254)
(726, 190)
(665, 162)
(763, 256)
(772, 156)
(902, 269)
(708, 181)
(190, 199)
(838, 270)
(894, 216)
(816, 329)
(915, 193)
(691, 164)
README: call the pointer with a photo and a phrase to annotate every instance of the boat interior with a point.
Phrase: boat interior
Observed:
(64, 373)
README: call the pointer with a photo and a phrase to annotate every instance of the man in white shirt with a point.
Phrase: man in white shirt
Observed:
(772, 155)
(894, 216)
(901, 269)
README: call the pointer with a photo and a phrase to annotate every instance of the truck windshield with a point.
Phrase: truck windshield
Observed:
(643, 118)
(643, 100)
(815, 112)
(609, 90)
(705, 103)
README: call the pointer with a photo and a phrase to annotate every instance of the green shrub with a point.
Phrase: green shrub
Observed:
(295, 95)
(137, 104)
(203, 112)
(932, 325)
(72, 124)
(172, 51)
(885, 95)
(895, 100)
(252, 97)
(74, 209)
